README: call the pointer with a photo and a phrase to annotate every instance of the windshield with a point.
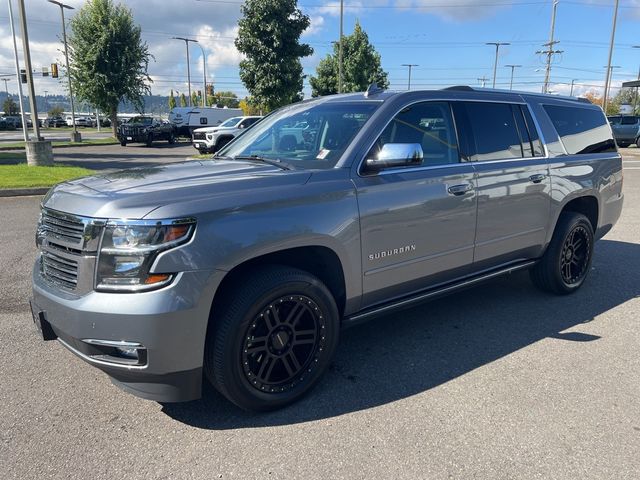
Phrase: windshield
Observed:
(307, 135)
(232, 122)
(141, 120)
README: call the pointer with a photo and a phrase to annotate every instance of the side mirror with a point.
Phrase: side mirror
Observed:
(396, 155)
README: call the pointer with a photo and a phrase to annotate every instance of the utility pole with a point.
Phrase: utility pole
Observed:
(6, 86)
(340, 47)
(550, 52)
(495, 63)
(605, 100)
(39, 152)
(483, 80)
(635, 99)
(572, 84)
(410, 65)
(512, 67)
(75, 135)
(25, 130)
(609, 80)
(186, 42)
(204, 75)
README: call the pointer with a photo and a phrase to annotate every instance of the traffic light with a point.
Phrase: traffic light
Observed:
(54, 70)
(23, 75)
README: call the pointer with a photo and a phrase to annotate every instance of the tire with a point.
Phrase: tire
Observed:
(171, 139)
(638, 142)
(251, 356)
(149, 140)
(221, 142)
(566, 263)
(123, 143)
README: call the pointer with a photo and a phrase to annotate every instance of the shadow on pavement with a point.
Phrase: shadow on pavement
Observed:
(401, 355)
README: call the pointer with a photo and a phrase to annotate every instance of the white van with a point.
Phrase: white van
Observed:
(187, 119)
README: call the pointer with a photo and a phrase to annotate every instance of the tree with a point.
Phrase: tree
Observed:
(626, 96)
(361, 66)
(226, 99)
(249, 107)
(269, 36)
(9, 107)
(612, 107)
(109, 60)
(172, 101)
(56, 111)
(183, 100)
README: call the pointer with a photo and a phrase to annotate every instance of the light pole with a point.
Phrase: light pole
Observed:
(25, 130)
(410, 65)
(6, 86)
(572, 84)
(186, 42)
(613, 38)
(75, 135)
(635, 99)
(495, 63)
(512, 67)
(340, 48)
(204, 75)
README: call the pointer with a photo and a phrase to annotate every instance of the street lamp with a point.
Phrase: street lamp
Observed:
(410, 65)
(512, 67)
(495, 64)
(75, 135)
(186, 42)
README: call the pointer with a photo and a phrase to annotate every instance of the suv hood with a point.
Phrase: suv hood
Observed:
(211, 129)
(135, 192)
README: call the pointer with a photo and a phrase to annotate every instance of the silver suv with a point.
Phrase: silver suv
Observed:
(243, 269)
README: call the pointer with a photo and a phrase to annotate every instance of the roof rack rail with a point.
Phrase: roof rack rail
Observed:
(461, 88)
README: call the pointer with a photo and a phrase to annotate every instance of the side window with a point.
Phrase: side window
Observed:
(494, 131)
(629, 120)
(538, 151)
(582, 130)
(429, 124)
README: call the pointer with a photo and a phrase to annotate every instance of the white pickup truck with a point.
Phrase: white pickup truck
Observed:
(212, 139)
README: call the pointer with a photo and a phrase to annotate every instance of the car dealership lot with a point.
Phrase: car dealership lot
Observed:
(500, 381)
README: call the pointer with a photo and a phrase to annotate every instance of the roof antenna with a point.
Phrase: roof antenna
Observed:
(372, 90)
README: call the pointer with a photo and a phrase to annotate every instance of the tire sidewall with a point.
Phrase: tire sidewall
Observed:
(571, 224)
(236, 383)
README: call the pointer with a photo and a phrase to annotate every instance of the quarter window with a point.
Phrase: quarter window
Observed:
(428, 124)
(582, 130)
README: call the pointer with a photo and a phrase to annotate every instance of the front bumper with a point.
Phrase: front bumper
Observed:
(170, 324)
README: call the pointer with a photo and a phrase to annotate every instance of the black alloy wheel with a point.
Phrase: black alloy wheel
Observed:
(272, 339)
(574, 258)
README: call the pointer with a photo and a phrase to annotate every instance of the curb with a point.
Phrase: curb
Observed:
(55, 147)
(23, 192)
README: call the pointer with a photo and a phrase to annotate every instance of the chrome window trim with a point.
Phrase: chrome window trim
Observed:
(359, 169)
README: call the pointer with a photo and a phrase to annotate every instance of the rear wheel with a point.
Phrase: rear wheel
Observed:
(149, 140)
(123, 143)
(638, 142)
(567, 261)
(171, 139)
(274, 339)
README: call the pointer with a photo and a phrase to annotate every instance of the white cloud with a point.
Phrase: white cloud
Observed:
(317, 23)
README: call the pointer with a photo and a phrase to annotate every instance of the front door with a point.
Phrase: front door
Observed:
(417, 222)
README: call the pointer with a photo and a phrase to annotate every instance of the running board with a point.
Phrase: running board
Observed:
(423, 296)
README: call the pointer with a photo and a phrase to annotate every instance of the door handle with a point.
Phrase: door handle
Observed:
(537, 178)
(460, 189)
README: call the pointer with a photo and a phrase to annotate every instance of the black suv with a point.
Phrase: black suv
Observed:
(145, 129)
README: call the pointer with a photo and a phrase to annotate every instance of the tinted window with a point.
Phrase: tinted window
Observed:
(629, 120)
(582, 130)
(614, 120)
(428, 124)
(495, 136)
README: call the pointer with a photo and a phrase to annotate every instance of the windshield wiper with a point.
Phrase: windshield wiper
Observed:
(271, 161)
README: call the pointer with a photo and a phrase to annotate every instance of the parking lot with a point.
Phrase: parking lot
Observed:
(497, 382)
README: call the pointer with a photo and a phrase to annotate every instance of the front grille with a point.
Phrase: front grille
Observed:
(60, 270)
(69, 245)
(199, 135)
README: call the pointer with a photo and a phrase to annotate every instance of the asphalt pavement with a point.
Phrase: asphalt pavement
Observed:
(496, 382)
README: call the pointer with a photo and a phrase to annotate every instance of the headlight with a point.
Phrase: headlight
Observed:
(129, 249)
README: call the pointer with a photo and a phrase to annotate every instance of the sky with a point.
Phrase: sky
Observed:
(445, 38)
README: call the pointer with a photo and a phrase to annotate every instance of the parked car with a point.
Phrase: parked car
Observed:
(55, 122)
(243, 269)
(187, 119)
(211, 139)
(7, 123)
(626, 129)
(146, 129)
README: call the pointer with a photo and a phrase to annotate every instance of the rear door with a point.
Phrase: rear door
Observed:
(513, 184)
(417, 222)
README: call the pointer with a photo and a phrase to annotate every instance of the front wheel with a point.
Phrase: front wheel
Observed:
(123, 143)
(171, 139)
(567, 261)
(273, 340)
(149, 140)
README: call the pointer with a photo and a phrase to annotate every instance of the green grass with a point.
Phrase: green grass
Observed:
(85, 143)
(24, 176)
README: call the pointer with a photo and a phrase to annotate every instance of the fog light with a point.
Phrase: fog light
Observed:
(128, 352)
